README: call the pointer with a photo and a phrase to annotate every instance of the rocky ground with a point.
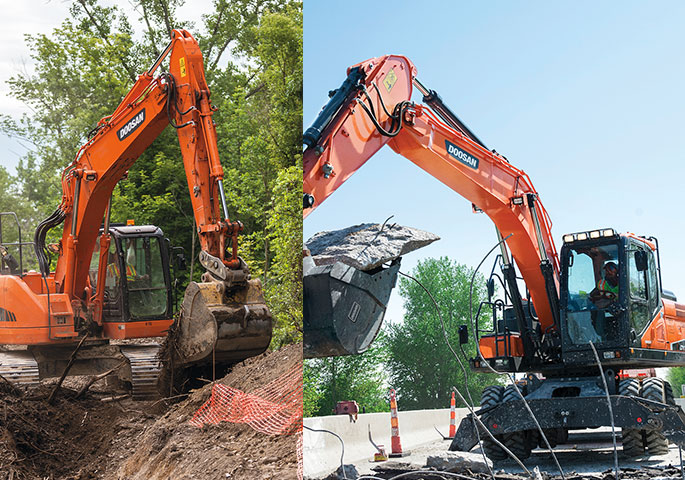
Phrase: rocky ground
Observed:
(78, 439)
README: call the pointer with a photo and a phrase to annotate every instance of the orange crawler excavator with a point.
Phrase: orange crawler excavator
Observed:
(113, 282)
(603, 288)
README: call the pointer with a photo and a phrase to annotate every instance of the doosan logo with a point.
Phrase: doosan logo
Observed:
(465, 158)
(131, 126)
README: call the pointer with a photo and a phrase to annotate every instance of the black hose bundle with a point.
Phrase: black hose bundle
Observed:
(172, 99)
(39, 247)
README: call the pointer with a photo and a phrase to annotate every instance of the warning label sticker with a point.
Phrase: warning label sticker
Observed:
(390, 79)
(182, 64)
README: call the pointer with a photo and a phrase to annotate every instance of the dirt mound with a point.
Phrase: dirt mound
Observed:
(66, 440)
(173, 448)
(78, 439)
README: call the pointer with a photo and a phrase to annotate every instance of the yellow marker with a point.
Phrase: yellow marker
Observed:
(182, 63)
(390, 79)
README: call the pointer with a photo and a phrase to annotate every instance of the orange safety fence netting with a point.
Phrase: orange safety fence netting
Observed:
(274, 409)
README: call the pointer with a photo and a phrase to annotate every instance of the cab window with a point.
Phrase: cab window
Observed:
(593, 286)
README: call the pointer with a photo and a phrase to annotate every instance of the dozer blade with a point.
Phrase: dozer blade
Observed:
(344, 307)
(221, 325)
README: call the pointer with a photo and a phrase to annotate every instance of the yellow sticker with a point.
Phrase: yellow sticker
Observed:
(182, 63)
(390, 79)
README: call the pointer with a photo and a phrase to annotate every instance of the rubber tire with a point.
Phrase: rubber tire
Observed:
(633, 445)
(670, 399)
(654, 389)
(552, 435)
(491, 395)
(517, 442)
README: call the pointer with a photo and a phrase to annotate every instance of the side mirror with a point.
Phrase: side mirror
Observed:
(463, 335)
(181, 263)
(641, 260)
(491, 287)
(180, 258)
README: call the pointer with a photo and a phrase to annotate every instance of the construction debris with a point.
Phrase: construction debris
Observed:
(84, 438)
(367, 246)
(458, 462)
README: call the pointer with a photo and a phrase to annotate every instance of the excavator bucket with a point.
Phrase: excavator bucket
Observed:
(221, 325)
(348, 277)
(344, 307)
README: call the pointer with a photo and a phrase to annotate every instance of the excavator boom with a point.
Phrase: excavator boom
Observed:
(224, 318)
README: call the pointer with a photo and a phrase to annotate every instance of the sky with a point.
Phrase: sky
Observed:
(42, 16)
(586, 97)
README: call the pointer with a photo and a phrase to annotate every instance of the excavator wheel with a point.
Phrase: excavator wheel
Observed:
(554, 437)
(655, 389)
(670, 399)
(632, 437)
(491, 396)
(517, 442)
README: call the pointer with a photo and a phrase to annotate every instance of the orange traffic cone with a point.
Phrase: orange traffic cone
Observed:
(453, 421)
(395, 443)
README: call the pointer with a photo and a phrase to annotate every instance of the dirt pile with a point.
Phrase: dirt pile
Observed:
(66, 440)
(173, 448)
(78, 439)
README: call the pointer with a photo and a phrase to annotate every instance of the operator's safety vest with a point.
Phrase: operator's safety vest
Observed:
(114, 271)
(606, 286)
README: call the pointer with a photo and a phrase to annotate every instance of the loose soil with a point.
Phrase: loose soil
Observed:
(78, 439)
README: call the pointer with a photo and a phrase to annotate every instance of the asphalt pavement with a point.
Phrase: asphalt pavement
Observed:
(589, 451)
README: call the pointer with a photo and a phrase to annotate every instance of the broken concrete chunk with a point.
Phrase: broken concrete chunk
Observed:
(349, 472)
(458, 462)
(368, 245)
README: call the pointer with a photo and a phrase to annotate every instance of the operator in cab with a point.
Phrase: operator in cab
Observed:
(606, 291)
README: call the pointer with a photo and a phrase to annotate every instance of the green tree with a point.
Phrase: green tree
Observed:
(252, 55)
(676, 377)
(421, 367)
(355, 377)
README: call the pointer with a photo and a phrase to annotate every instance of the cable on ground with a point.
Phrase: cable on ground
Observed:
(442, 475)
(511, 378)
(342, 453)
(611, 410)
(466, 379)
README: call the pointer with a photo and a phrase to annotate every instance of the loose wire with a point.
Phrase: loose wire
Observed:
(611, 410)
(487, 364)
(466, 378)
(342, 453)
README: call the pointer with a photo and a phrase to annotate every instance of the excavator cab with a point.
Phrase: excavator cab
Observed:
(138, 285)
(610, 293)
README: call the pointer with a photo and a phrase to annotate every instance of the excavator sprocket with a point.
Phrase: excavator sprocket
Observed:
(221, 325)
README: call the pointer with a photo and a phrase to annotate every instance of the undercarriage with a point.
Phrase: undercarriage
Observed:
(644, 413)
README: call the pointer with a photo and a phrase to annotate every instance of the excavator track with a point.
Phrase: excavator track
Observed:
(145, 369)
(19, 367)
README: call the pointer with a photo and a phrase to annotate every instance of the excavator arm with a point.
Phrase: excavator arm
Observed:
(374, 107)
(179, 98)
(224, 317)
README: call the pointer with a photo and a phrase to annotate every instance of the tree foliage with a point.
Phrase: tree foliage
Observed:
(355, 377)
(421, 367)
(253, 60)
(676, 377)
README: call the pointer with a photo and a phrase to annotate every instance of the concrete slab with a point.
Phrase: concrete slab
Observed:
(368, 245)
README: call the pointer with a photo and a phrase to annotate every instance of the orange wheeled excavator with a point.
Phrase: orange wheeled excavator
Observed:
(103, 290)
(603, 288)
